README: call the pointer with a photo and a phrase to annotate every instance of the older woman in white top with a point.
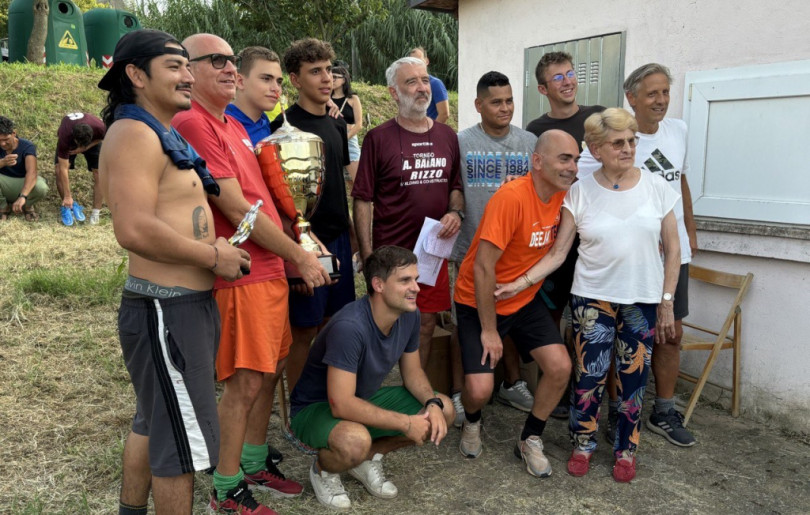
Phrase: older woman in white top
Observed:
(621, 298)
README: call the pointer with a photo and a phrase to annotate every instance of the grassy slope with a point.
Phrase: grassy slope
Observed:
(65, 397)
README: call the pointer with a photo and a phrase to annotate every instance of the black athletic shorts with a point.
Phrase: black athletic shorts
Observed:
(680, 306)
(530, 327)
(169, 347)
(91, 155)
(557, 286)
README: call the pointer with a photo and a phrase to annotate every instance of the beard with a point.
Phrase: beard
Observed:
(408, 105)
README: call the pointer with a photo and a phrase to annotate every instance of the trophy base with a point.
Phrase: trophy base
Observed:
(329, 263)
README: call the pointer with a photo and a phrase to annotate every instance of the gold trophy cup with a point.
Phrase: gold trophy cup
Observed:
(292, 163)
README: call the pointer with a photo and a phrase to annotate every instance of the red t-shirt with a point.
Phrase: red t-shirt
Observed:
(228, 153)
(408, 176)
(524, 228)
(64, 134)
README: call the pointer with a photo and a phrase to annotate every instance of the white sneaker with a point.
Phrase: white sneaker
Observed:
(470, 444)
(459, 407)
(518, 396)
(371, 474)
(531, 451)
(94, 216)
(328, 489)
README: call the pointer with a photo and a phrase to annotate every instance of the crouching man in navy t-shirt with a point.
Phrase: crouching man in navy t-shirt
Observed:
(338, 406)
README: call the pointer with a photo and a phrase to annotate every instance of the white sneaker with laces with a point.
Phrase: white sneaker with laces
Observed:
(328, 489)
(531, 451)
(470, 444)
(371, 474)
(459, 407)
(518, 396)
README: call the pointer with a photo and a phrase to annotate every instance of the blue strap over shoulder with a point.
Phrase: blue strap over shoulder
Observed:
(179, 151)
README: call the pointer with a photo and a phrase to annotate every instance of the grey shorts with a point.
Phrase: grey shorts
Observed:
(169, 347)
(680, 307)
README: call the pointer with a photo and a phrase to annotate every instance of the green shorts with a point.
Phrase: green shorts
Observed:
(313, 424)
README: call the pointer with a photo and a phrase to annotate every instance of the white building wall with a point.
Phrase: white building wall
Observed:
(686, 36)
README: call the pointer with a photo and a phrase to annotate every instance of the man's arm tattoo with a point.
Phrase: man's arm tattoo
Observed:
(199, 220)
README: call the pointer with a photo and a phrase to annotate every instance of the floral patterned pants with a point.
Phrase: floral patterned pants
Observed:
(603, 329)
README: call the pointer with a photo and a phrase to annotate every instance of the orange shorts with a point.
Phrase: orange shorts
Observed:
(435, 299)
(255, 327)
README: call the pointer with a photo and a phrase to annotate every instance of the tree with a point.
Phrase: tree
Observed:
(39, 32)
(328, 20)
(379, 41)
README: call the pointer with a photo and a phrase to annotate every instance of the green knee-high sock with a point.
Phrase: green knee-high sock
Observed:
(253, 457)
(224, 484)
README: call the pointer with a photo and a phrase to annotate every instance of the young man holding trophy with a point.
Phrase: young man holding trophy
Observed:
(255, 335)
(309, 65)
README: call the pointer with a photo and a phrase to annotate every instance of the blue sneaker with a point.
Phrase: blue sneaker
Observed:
(67, 216)
(78, 212)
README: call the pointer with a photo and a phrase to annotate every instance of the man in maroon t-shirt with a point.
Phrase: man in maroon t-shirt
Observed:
(79, 133)
(409, 169)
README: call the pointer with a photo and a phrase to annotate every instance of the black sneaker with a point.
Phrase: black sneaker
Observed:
(670, 426)
(239, 501)
(612, 420)
(274, 454)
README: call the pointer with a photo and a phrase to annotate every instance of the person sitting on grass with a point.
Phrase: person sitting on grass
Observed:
(338, 406)
(19, 183)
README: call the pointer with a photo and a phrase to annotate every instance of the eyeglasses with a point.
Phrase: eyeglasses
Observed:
(337, 76)
(618, 144)
(559, 77)
(218, 60)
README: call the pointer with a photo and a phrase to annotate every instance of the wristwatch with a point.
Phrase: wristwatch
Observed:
(668, 297)
(459, 212)
(435, 400)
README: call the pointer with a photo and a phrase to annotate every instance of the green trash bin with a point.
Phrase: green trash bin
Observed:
(103, 28)
(65, 42)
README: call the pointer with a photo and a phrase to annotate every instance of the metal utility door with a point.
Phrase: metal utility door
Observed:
(599, 63)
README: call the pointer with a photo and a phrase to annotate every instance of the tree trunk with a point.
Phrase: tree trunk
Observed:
(39, 32)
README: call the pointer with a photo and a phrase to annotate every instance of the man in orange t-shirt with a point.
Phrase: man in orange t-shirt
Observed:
(518, 228)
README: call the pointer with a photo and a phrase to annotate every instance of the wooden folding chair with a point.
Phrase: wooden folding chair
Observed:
(722, 339)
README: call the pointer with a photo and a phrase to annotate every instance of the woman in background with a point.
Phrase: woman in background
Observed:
(349, 105)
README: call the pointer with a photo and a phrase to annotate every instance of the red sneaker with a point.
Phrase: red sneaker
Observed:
(579, 463)
(238, 501)
(624, 469)
(271, 480)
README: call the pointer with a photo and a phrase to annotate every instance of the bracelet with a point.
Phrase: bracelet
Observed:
(526, 276)
(216, 258)
(24, 196)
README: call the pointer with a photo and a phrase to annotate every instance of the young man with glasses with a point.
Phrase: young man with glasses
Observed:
(410, 170)
(661, 150)
(557, 80)
(309, 65)
(255, 336)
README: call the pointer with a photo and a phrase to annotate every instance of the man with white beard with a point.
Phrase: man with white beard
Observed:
(409, 170)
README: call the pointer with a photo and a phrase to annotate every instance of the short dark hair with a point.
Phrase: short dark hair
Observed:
(549, 59)
(489, 80)
(6, 126)
(252, 54)
(307, 50)
(82, 134)
(383, 261)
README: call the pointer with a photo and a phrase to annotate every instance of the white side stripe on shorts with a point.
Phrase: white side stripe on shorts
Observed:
(194, 435)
